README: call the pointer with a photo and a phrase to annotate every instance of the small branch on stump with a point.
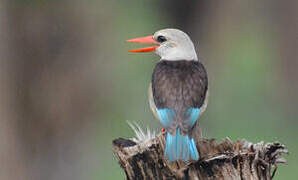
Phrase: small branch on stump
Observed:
(226, 160)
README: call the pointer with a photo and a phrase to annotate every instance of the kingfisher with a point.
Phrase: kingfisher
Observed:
(178, 90)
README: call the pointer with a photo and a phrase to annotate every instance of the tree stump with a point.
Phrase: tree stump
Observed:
(226, 160)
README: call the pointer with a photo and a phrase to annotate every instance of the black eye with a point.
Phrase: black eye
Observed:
(161, 39)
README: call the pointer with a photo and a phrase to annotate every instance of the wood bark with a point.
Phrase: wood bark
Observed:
(226, 160)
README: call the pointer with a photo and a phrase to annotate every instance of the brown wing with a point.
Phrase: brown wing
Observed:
(179, 85)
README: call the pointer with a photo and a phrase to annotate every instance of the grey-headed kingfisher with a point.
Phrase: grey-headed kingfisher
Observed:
(178, 90)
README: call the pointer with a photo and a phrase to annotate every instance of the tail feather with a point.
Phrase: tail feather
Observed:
(180, 147)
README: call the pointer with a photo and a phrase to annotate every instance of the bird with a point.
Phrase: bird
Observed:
(178, 90)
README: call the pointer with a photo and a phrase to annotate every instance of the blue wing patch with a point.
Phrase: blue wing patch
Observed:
(193, 114)
(179, 146)
(166, 116)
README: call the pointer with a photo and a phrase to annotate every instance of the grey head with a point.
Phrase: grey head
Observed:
(174, 45)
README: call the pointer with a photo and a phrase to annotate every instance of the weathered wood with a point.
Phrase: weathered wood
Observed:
(226, 160)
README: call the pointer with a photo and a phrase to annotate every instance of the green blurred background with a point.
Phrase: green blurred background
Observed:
(68, 85)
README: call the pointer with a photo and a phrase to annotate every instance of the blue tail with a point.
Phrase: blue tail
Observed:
(180, 147)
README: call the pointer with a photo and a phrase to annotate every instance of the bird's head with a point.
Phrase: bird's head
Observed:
(172, 44)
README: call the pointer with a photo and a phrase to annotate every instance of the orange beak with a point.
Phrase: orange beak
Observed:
(147, 39)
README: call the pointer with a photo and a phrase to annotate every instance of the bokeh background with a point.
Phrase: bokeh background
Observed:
(68, 85)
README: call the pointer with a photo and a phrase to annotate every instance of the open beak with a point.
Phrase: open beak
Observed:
(147, 39)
